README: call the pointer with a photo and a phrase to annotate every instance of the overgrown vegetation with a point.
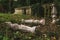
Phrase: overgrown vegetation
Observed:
(13, 17)
(6, 33)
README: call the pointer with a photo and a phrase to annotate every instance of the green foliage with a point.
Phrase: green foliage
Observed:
(7, 33)
(13, 17)
(5, 38)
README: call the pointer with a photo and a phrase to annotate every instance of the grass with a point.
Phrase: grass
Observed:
(12, 17)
